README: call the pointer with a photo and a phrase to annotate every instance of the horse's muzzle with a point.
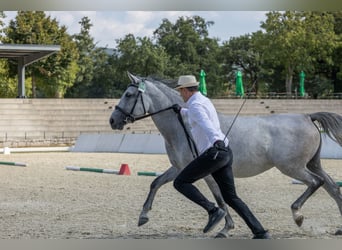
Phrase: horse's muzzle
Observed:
(111, 121)
(116, 125)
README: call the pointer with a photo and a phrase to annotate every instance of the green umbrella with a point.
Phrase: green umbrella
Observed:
(239, 86)
(202, 84)
(301, 84)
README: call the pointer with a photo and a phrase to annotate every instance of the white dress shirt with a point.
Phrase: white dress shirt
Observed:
(203, 121)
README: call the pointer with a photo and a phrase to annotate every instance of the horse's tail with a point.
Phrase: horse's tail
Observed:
(330, 123)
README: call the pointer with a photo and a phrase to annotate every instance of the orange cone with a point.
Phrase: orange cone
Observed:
(124, 170)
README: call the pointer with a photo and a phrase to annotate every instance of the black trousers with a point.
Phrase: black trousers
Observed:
(221, 170)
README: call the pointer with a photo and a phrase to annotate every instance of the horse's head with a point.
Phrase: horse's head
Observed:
(133, 104)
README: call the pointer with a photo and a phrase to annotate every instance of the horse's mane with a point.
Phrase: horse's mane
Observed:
(168, 82)
(166, 86)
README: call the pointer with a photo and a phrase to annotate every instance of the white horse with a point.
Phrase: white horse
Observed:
(289, 142)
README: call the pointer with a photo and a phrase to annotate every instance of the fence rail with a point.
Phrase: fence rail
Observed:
(280, 95)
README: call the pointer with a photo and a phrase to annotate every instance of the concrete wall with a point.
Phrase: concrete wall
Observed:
(330, 149)
(121, 143)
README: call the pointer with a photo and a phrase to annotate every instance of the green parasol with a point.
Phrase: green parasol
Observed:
(202, 84)
(301, 84)
(239, 86)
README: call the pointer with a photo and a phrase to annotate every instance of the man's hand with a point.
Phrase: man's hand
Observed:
(220, 145)
(176, 108)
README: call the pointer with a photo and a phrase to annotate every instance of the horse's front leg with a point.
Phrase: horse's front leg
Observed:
(229, 224)
(167, 176)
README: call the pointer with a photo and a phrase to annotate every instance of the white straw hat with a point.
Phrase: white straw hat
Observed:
(187, 81)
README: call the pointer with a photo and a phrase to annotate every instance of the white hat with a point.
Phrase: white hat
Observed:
(187, 81)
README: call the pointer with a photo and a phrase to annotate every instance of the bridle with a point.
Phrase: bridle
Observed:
(130, 118)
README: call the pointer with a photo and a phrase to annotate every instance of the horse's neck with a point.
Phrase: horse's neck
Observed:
(166, 122)
(163, 97)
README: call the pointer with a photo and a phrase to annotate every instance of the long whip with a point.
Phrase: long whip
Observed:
(237, 114)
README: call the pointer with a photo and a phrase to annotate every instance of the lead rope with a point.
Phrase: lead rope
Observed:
(191, 143)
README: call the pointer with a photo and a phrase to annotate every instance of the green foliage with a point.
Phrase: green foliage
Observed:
(186, 42)
(88, 61)
(241, 53)
(103, 79)
(8, 85)
(190, 50)
(140, 55)
(2, 16)
(336, 69)
(137, 55)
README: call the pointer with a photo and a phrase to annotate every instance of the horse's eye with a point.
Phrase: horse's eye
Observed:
(128, 94)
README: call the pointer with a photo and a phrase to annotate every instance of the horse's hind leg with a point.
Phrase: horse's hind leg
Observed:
(229, 223)
(329, 185)
(167, 176)
(313, 182)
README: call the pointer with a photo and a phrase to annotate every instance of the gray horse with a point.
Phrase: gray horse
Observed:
(289, 142)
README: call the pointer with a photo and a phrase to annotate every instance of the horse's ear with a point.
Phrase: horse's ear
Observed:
(133, 78)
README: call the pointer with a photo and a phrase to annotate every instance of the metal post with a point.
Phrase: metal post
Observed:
(21, 78)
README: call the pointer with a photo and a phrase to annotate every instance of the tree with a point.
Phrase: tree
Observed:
(89, 60)
(182, 42)
(103, 78)
(242, 53)
(140, 55)
(51, 77)
(336, 71)
(210, 52)
(85, 46)
(2, 16)
(296, 40)
(190, 50)
(7, 84)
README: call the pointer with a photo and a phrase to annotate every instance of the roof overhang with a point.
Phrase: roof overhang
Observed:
(30, 53)
(25, 54)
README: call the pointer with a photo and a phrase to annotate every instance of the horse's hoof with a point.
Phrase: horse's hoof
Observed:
(221, 235)
(338, 232)
(142, 221)
(299, 220)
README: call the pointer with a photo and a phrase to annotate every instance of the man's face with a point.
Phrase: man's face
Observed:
(184, 93)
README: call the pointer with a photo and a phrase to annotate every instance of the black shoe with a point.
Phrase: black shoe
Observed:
(214, 218)
(265, 236)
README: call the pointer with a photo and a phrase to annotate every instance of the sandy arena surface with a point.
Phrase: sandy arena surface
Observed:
(46, 201)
